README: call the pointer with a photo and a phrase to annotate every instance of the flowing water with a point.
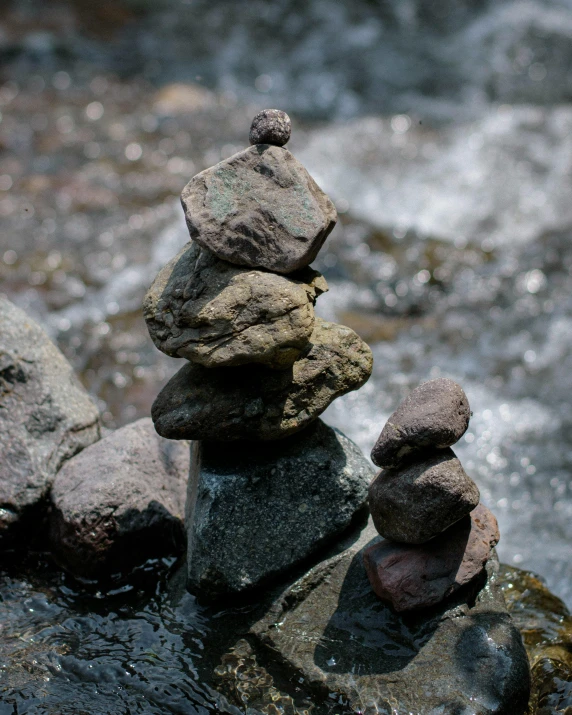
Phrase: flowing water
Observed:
(443, 131)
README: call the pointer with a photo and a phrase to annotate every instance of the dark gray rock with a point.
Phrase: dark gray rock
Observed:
(120, 502)
(46, 416)
(261, 209)
(252, 402)
(217, 314)
(418, 576)
(464, 656)
(435, 415)
(415, 502)
(257, 510)
(270, 126)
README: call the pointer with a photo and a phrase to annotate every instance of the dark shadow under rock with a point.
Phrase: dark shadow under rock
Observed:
(463, 656)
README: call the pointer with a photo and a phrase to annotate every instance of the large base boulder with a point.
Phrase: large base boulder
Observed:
(257, 510)
(464, 656)
(120, 502)
(46, 417)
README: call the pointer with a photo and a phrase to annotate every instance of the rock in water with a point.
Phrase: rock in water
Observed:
(120, 501)
(270, 126)
(251, 402)
(413, 503)
(256, 511)
(464, 656)
(217, 314)
(413, 577)
(434, 415)
(46, 417)
(261, 209)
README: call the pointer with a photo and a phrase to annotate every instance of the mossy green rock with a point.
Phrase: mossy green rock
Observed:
(259, 208)
(217, 314)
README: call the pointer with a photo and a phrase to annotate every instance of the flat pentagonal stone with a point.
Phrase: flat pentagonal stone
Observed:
(415, 502)
(435, 414)
(261, 209)
(252, 402)
(419, 576)
(215, 313)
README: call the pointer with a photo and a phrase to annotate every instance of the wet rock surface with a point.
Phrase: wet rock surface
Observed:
(419, 577)
(261, 209)
(415, 502)
(249, 402)
(465, 655)
(256, 510)
(120, 502)
(217, 314)
(46, 417)
(434, 415)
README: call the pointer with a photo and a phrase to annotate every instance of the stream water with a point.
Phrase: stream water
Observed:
(443, 131)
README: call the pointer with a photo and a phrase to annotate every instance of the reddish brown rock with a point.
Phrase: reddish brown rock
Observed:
(411, 577)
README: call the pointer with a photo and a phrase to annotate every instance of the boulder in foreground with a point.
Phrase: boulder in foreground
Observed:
(120, 502)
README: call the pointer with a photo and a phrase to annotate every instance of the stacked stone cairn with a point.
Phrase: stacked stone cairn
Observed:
(269, 482)
(438, 537)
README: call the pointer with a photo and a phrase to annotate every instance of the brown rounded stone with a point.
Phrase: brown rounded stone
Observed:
(419, 576)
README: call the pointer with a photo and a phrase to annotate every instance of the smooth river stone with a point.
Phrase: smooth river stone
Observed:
(419, 576)
(217, 314)
(434, 415)
(120, 502)
(46, 417)
(413, 503)
(257, 510)
(260, 208)
(252, 402)
(463, 656)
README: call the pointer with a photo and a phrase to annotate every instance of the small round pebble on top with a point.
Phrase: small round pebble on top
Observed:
(270, 126)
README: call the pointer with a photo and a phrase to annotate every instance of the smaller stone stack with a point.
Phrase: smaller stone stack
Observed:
(438, 536)
(270, 483)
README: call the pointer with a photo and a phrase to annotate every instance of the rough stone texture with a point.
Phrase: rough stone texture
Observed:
(256, 511)
(419, 576)
(261, 209)
(464, 656)
(120, 501)
(413, 503)
(251, 402)
(270, 126)
(46, 416)
(435, 414)
(214, 313)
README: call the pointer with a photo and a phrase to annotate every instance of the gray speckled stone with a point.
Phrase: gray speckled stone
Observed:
(217, 314)
(463, 657)
(434, 415)
(120, 501)
(252, 402)
(256, 510)
(46, 417)
(415, 502)
(270, 126)
(261, 209)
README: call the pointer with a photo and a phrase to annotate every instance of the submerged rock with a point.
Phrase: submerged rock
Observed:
(120, 502)
(251, 402)
(415, 502)
(465, 656)
(261, 209)
(419, 576)
(434, 415)
(46, 417)
(214, 313)
(256, 510)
